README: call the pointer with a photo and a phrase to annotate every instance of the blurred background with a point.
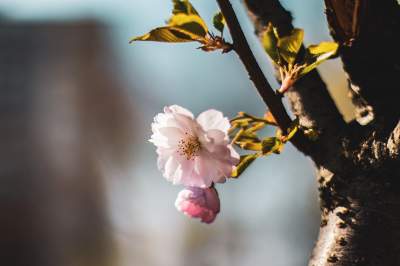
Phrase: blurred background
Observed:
(79, 184)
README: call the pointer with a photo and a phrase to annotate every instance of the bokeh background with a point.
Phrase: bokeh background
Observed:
(79, 183)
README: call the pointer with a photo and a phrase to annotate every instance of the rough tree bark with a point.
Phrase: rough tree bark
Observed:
(358, 165)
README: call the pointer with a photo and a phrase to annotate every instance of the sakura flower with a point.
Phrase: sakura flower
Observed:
(199, 203)
(193, 152)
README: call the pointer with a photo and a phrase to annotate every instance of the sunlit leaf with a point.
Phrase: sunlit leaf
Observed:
(289, 46)
(245, 161)
(185, 25)
(271, 145)
(270, 118)
(270, 43)
(250, 145)
(183, 6)
(219, 22)
(167, 34)
(255, 127)
(292, 132)
(316, 54)
(241, 121)
(244, 138)
(191, 23)
(322, 48)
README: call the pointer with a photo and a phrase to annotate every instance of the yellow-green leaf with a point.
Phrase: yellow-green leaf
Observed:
(289, 46)
(243, 138)
(322, 48)
(271, 145)
(270, 43)
(316, 54)
(241, 121)
(185, 25)
(292, 132)
(191, 23)
(219, 22)
(167, 34)
(183, 6)
(250, 145)
(245, 161)
(255, 127)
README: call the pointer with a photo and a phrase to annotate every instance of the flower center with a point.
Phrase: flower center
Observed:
(189, 146)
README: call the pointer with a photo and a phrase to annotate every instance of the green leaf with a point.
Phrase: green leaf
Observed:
(316, 54)
(219, 22)
(291, 131)
(289, 46)
(245, 161)
(271, 145)
(243, 138)
(241, 121)
(255, 127)
(167, 34)
(270, 43)
(191, 23)
(185, 25)
(250, 145)
(183, 6)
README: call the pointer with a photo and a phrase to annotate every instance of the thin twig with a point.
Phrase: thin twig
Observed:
(271, 99)
(245, 54)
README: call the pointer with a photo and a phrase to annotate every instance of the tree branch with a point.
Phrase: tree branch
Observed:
(367, 31)
(271, 99)
(245, 54)
(309, 97)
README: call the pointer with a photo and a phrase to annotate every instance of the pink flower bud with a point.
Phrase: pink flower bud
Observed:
(200, 203)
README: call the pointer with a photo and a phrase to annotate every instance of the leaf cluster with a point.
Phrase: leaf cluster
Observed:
(244, 132)
(284, 51)
(186, 25)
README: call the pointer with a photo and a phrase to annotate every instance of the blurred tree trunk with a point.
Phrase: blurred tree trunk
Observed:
(358, 163)
(62, 115)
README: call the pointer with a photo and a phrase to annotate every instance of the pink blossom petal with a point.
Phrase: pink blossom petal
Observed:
(172, 134)
(193, 152)
(217, 136)
(213, 119)
(170, 169)
(179, 110)
(205, 168)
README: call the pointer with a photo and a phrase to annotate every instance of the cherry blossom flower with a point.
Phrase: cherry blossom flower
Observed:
(199, 203)
(193, 152)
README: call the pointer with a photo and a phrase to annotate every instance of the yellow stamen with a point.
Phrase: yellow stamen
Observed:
(189, 146)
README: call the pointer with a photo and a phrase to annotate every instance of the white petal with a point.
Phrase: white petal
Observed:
(187, 171)
(166, 137)
(187, 124)
(163, 156)
(162, 118)
(172, 134)
(170, 168)
(205, 169)
(213, 119)
(179, 110)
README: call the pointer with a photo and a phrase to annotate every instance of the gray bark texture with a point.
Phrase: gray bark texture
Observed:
(357, 163)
